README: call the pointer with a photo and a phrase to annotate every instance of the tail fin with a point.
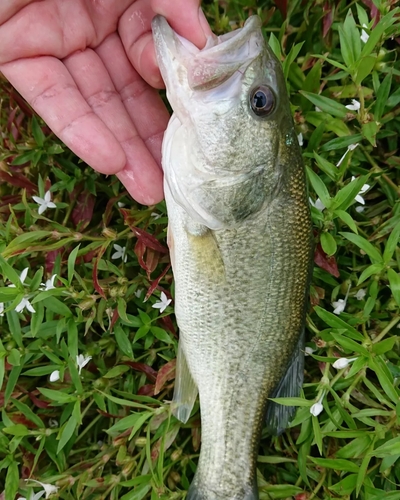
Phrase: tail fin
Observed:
(202, 492)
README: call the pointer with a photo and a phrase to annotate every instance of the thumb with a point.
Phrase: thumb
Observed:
(186, 18)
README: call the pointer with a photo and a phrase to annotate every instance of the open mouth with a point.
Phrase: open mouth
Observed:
(218, 61)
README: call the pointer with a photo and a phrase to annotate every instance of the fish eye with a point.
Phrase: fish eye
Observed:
(262, 100)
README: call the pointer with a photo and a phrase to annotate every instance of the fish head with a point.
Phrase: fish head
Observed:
(231, 122)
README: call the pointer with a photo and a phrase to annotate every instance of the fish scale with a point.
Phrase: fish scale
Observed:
(240, 241)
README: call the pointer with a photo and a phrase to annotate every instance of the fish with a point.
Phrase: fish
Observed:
(240, 239)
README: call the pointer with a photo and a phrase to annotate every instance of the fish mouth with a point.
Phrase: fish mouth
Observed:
(215, 63)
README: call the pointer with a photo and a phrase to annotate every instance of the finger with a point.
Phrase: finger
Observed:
(57, 28)
(134, 28)
(10, 7)
(143, 103)
(49, 88)
(142, 176)
(186, 18)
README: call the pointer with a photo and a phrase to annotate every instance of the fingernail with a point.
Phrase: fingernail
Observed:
(204, 26)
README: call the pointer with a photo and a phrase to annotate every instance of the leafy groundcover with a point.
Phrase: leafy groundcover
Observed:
(88, 336)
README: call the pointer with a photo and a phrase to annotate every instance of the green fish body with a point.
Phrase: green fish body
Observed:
(241, 247)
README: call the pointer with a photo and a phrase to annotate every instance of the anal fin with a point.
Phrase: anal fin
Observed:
(279, 416)
(185, 392)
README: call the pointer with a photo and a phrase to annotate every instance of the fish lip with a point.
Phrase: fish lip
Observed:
(217, 61)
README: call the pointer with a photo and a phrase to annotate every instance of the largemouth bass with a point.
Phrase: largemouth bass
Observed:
(240, 240)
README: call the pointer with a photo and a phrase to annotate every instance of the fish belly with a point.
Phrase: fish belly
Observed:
(240, 302)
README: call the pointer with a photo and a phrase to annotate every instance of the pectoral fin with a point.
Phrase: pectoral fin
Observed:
(278, 416)
(185, 392)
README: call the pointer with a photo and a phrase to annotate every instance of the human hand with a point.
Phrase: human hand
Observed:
(89, 70)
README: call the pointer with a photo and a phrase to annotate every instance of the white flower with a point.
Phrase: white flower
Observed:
(1, 308)
(361, 294)
(44, 203)
(25, 304)
(138, 292)
(120, 253)
(49, 285)
(360, 209)
(308, 351)
(354, 106)
(316, 409)
(317, 204)
(164, 302)
(359, 198)
(364, 35)
(54, 376)
(341, 363)
(82, 361)
(22, 277)
(120, 204)
(155, 215)
(300, 139)
(34, 496)
(340, 304)
(350, 147)
(49, 489)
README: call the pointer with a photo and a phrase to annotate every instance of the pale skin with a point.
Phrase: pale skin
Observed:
(88, 68)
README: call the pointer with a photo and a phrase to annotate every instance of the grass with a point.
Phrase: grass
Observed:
(106, 433)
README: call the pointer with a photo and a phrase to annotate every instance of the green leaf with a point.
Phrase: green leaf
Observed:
(369, 271)
(275, 46)
(369, 131)
(347, 219)
(364, 68)
(378, 31)
(335, 322)
(9, 272)
(328, 105)
(372, 252)
(161, 334)
(21, 243)
(336, 464)
(394, 282)
(294, 52)
(12, 481)
(67, 432)
(37, 132)
(16, 430)
(116, 371)
(12, 380)
(72, 337)
(58, 307)
(141, 332)
(346, 485)
(292, 401)
(319, 187)
(384, 346)
(391, 447)
(138, 493)
(385, 379)
(125, 423)
(350, 344)
(350, 43)
(71, 263)
(341, 142)
(326, 166)
(391, 244)
(382, 96)
(346, 196)
(123, 341)
(57, 396)
(122, 309)
(328, 244)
